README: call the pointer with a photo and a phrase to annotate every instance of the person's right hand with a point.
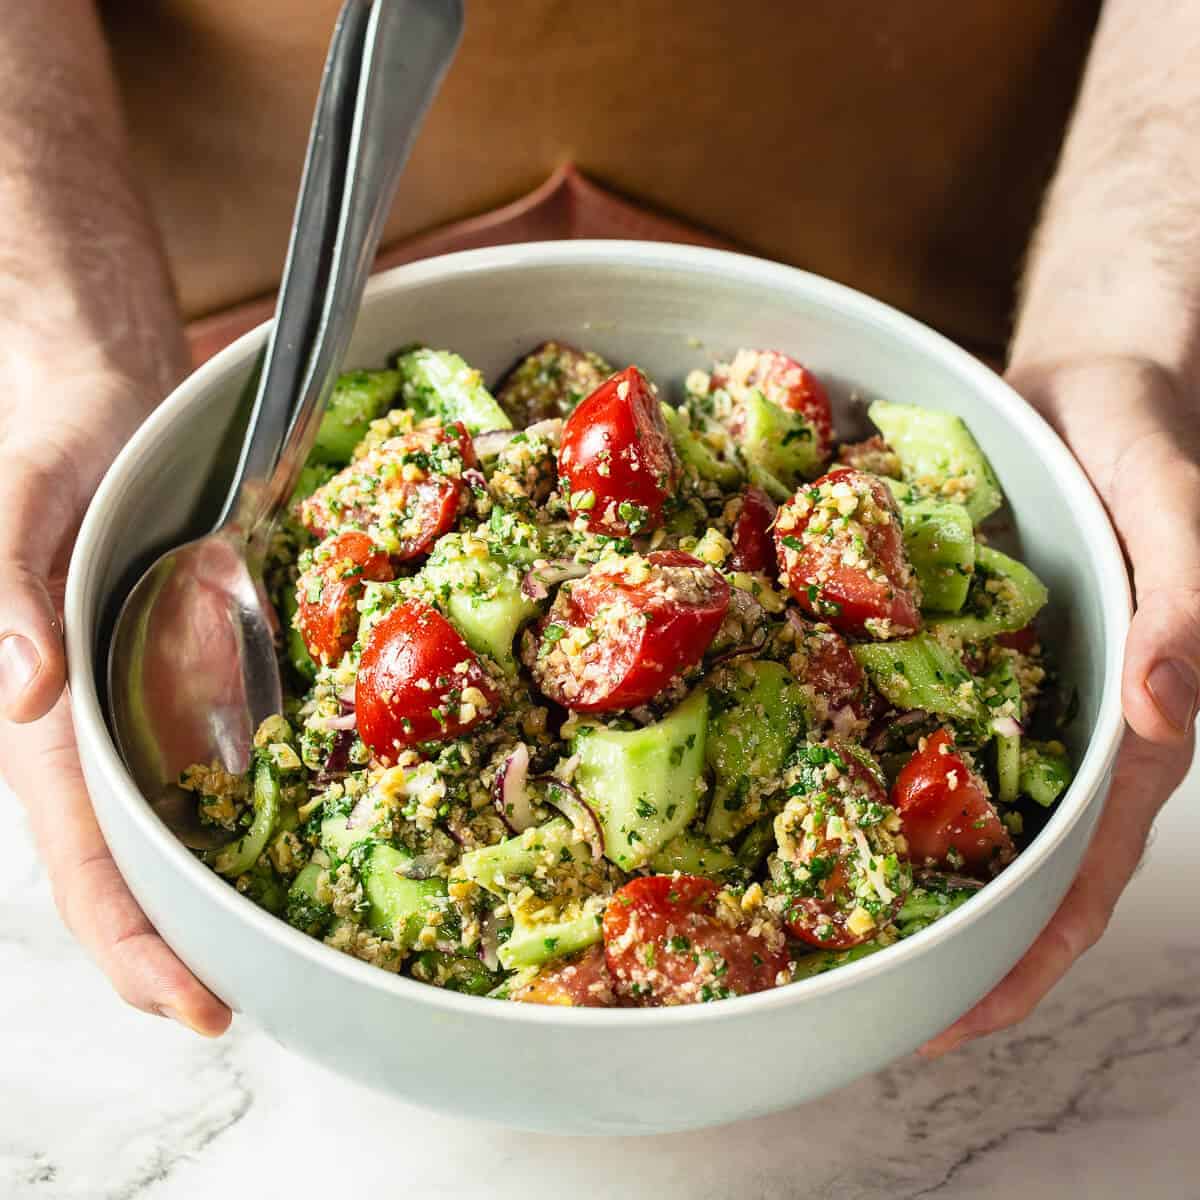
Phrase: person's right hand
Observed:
(53, 457)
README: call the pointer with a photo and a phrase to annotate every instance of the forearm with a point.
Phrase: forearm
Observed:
(1114, 273)
(83, 285)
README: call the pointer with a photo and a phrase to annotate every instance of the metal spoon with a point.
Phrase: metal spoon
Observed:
(192, 668)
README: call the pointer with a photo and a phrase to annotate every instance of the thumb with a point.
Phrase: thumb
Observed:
(34, 516)
(1158, 514)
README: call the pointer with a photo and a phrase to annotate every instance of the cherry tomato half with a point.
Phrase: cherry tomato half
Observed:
(842, 553)
(664, 944)
(407, 491)
(784, 382)
(753, 549)
(329, 590)
(617, 637)
(418, 681)
(616, 461)
(581, 981)
(947, 817)
(823, 661)
(837, 862)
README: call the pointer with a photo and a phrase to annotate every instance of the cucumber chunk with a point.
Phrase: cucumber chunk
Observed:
(297, 652)
(398, 906)
(454, 972)
(939, 456)
(758, 712)
(1045, 771)
(482, 596)
(304, 911)
(940, 541)
(763, 478)
(532, 943)
(312, 476)
(691, 854)
(695, 450)
(494, 866)
(919, 672)
(810, 965)
(241, 855)
(645, 784)
(1002, 695)
(777, 441)
(1016, 597)
(924, 905)
(359, 397)
(437, 383)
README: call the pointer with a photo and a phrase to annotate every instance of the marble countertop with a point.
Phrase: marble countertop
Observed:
(1097, 1095)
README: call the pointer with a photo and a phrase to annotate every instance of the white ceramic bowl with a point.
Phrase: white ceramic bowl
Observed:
(667, 308)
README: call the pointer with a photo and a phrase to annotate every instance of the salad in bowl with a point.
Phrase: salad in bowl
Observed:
(611, 696)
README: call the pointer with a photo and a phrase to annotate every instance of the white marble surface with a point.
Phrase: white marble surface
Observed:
(1098, 1095)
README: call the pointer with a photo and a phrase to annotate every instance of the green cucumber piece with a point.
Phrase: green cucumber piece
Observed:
(492, 867)
(1020, 598)
(458, 972)
(359, 397)
(397, 905)
(1045, 772)
(777, 441)
(298, 656)
(924, 905)
(810, 965)
(762, 478)
(482, 597)
(691, 854)
(758, 712)
(940, 541)
(939, 455)
(1002, 692)
(304, 911)
(531, 944)
(263, 885)
(232, 860)
(696, 452)
(919, 672)
(312, 476)
(437, 383)
(757, 844)
(645, 784)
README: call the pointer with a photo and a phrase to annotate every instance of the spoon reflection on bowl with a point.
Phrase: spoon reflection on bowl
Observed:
(192, 668)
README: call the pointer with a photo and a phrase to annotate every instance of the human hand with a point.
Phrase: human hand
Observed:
(1133, 427)
(53, 459)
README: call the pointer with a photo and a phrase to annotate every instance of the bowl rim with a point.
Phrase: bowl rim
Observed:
(614, 254)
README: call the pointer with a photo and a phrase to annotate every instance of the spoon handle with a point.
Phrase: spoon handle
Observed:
(406, 48)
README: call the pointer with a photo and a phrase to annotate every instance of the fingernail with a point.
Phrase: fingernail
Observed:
(1175, 689)
(19, 663)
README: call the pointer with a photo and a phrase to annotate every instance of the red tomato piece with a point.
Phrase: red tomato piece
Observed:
(753, 549)
(784, 382)
(843, 876)
(582, 981)
(665, 945)
(329, 589)
(842, 553)
(617, 463)
(823, 661)
(944, 807)
(617, 637)
(1023, 640)
(418, 681)
(407, 491)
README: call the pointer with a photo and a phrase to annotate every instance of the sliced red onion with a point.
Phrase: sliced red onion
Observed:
(568, 801)
(844, 720)
(510, 791)
(877, 735)
(795, 619)
(489, 941)
(475, 479)
(492, 441)
(340, 722)
(736, 652)
(346, 695)
(939, 881)
(540, 578)
(1007, 727)
(362, 812)
(422, 866)
(337, 762)
(550, 429)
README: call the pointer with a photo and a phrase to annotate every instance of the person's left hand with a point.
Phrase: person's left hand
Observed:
(1134, 428)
